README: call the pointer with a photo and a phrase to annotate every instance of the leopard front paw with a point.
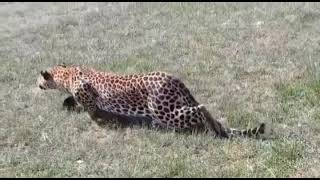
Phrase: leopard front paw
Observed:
(71, 105)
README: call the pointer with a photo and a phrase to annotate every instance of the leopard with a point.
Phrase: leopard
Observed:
(157, 97)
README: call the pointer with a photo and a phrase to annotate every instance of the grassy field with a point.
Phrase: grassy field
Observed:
(247, 62)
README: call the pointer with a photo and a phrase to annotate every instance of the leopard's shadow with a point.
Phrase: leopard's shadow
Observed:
(108, 118)
(121, 121)
(116, 121)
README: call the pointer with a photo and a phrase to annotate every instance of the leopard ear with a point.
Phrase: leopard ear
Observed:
(45, 75)
(63, 64)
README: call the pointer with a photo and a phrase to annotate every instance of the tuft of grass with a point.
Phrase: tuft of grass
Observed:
(301, 96)
(283, 158)
(240, 118)
(307, 93)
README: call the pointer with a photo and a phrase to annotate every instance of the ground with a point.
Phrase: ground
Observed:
(247, 62)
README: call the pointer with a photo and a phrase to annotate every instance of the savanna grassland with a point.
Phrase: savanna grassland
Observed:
(247, 62)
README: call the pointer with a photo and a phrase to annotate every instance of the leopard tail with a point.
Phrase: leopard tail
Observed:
(224, 132)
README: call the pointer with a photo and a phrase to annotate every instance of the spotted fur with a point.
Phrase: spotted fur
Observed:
(156, 96)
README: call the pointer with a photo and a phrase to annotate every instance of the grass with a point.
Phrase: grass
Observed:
(247, 62)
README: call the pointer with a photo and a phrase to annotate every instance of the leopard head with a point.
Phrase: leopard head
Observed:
(56, 77)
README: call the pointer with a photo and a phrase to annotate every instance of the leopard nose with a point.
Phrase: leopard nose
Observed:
(41, 87)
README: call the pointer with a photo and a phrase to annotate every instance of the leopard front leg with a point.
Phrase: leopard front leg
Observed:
(71, 104)
(86, 95)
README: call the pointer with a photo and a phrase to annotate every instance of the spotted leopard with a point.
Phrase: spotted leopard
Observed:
(158, 97)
